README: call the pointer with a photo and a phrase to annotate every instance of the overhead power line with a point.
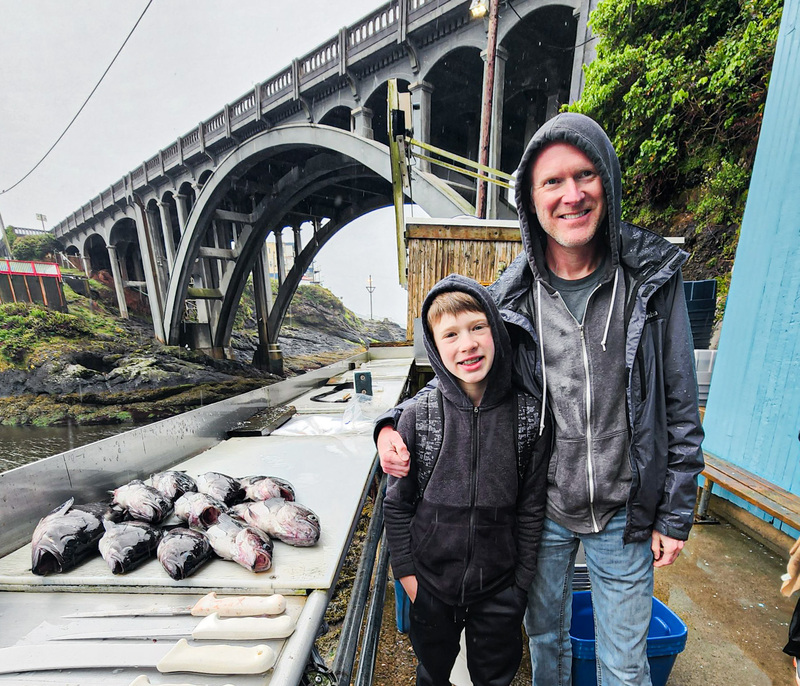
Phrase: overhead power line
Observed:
(85, 102)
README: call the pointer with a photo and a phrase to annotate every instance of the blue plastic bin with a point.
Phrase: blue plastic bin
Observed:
(402, 606)
(665, 639)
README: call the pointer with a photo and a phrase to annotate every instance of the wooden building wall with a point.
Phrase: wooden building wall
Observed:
(753, 413)
(436, 248)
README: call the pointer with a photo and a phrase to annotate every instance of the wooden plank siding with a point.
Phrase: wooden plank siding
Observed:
(435, 249)
(752, 415)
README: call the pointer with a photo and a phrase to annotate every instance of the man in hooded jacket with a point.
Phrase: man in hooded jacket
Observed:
(612, 356)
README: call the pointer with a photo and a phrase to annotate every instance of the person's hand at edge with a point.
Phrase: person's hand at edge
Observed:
(393, 452)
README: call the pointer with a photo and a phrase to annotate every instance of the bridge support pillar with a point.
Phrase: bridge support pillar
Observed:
(298, 241)
(118, 287)
(262, 290)
(496, 129)
(421, 115)
(280, 257)
(166, 229)
(361, 122)
(180, 206)
(150, 273)
(584, 48)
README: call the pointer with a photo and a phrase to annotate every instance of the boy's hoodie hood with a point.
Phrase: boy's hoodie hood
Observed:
(588, 136)
(499, 377)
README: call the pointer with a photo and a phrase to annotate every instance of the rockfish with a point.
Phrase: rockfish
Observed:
(67, 536)
(266, 487)
(220, 486)
(198, 509)
(245, 545)
(172, 484)
(289, 522)
(183, 551)
(143, 502)
(126, 545)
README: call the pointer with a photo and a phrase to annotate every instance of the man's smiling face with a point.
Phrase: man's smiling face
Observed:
(567, 195)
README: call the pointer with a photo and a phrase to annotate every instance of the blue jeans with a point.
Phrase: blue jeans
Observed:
(622, 590)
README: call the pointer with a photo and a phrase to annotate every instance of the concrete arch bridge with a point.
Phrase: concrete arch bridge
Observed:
(309, 147)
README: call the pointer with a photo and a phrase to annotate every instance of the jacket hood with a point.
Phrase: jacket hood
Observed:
(588, 136)
(499, 377)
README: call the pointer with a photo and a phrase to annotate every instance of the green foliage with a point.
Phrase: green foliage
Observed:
(681, 88)
(11, 236)
(37, 247)
(24, 326)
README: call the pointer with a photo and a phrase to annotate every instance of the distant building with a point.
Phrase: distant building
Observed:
(311, 275)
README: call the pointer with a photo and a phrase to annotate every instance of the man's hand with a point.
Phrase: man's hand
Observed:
(665, 549)
(409, 584)
(393, 453)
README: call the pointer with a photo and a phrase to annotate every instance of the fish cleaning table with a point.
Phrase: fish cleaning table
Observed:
(328, 457)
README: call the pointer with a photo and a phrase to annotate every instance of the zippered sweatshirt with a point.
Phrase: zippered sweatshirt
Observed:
(621, 387)
(477, 527)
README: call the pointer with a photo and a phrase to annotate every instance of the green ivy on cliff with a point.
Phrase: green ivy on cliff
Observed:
(680, 86)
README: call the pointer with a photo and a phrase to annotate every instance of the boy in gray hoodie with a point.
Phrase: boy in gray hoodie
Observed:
(463, 538)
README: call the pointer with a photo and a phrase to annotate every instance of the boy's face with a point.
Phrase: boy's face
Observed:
(466, 346)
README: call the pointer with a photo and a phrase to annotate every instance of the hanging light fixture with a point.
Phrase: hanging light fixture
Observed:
(478, 8)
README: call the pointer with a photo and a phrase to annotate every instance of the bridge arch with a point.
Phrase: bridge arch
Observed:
(282, 177)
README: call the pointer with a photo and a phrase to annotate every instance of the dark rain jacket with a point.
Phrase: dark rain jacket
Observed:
(664, 430)
(476, 529)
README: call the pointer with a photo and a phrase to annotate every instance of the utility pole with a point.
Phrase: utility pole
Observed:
(6, 244)
(370, 290)
(487, 104)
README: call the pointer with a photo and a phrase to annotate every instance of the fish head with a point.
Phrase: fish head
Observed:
(300, 525)
(253, 549)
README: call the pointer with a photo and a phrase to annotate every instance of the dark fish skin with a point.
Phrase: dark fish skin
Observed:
(173, 484)
(245, 545)
(63, 538)
(102, 510)
(126, 545)
(287, 521)
(220, 486)
(266, 487)
(143, 502)
(198, 509)
(183, 551)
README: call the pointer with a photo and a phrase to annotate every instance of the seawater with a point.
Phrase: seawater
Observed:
(20, 445)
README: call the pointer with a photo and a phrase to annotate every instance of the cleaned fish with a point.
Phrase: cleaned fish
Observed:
(220, 486)
(172, 484)
(245, 545)
(198, 509)
(266, 487)
(183, 551)
(64, 538)
(143, 502)
(126, 545)
(287, 521)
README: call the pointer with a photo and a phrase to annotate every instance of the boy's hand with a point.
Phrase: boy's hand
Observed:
(393, 452)
(409, 584)
(665, 549)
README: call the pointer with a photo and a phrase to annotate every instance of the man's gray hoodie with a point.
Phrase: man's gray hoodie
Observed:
(620, 384)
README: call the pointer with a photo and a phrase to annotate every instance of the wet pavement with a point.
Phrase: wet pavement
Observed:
(726, 588)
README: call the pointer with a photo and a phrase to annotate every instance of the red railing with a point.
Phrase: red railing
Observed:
(50, 269)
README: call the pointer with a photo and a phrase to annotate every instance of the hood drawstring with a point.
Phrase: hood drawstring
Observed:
(541, 354)
(610, 309)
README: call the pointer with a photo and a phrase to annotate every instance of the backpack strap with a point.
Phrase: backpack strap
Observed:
(429, 436)
(527, 430)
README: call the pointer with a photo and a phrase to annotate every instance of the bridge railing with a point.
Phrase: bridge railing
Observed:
(351, 45)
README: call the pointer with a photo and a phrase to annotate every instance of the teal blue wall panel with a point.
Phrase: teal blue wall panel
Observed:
(753, 411)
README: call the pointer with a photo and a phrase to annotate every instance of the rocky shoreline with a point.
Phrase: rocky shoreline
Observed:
(120, 374)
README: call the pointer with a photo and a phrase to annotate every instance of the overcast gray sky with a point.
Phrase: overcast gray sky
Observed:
(184, 62)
